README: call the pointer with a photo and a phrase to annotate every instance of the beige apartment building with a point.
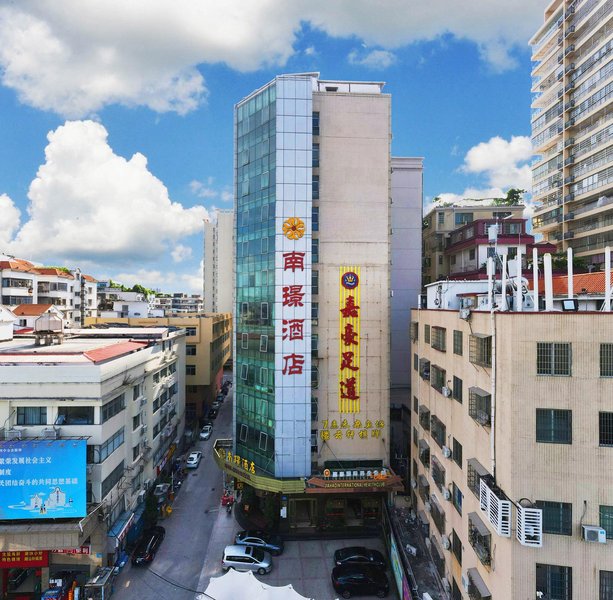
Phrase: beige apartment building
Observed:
(441, 221)
(218, 272)
(572, 127)
(208, 347)
(513, 443)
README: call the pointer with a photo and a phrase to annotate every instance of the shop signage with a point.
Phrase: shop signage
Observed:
(235, 459)
(42, 479)
(24, 559)
(349, 341)
(79, 550)
(339, 429)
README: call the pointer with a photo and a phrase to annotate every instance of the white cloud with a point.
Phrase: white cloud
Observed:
(146, 52)
(167, 281)
(375, 59)
(9, 220)
(227, 196)
(202, 190)
(310, 51)
(91, 206)
(180, 252)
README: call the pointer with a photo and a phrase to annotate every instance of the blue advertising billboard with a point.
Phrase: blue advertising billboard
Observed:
(43, 479)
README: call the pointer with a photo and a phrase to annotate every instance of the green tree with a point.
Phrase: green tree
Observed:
(514, 197)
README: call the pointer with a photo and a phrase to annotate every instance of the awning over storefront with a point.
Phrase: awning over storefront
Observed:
(138, 523)
(120, 528)
(355, 482)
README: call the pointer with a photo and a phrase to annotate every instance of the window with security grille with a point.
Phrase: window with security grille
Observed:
(438, 378)
(457, 389)
(439, 338)
(415, 404)
(456, 546)
(415, 436)
(480, 406)
(424, 417)
(457, 453)
(480, 350)
(553, 359)
(606, 360)
(414, 331)
(457, 497)
(554, 582)
(438, 431)
(606, 520)
(606, 585)
(554, 426)
(415, 362)
(427, 334)
(605, 425)
(474, 473)
(458, 342)
(557, 517)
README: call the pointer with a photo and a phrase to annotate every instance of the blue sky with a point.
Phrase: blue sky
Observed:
(116, 128)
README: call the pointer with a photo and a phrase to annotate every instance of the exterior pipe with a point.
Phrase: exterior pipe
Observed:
(503, 284)
(548, 283)
(493, 389)
(607, 279)
(535, 279)
(569, 261)
(490, 283)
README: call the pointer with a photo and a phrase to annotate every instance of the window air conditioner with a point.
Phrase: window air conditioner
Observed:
(446, 494)
(593, 533)
(446, 451)
(445, 542)
(446, 391)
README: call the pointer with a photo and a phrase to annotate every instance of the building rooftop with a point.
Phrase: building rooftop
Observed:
(31, 310)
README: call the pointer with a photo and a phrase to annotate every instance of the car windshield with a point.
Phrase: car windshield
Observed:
(258, 554)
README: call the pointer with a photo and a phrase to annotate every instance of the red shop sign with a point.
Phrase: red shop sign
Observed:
(80, 550)
(24, 558)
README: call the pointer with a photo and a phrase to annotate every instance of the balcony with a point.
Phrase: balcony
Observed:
(423, 488)
(480, 406)
(438, 472)
(494, 503)
(480, 539)
(438, 431)
(424, 417)
(424, 453)
(438, 514)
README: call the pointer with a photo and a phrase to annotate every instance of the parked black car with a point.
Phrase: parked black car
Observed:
(212, 413)
(148, 545)
(359, 555)
(260, 539)
(360, 580)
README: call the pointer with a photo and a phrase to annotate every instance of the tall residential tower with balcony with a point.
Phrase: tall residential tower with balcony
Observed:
(572, 127)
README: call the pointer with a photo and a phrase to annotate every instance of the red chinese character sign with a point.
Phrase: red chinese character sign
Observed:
(349, 340)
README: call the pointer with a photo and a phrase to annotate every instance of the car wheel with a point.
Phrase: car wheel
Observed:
(381, 594)
(346, 594)
(261, 571)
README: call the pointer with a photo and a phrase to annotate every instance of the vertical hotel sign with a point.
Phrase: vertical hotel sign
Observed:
(349, 341)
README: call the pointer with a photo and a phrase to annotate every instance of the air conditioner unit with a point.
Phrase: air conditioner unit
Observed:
(51, 433)
(143, 400)
(140, 498)
(465, 582)
(446, 391)
(144, 429)
(446, 451)
(445, 542)
(593, 533)
(13, 434)
(147, 484)
(446, 494)
(465, 314)
(413, 483)
(427, 506)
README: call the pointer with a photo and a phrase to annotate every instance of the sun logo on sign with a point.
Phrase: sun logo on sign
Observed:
(293, 228)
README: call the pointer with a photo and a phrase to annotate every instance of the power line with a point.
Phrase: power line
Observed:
(187, 589)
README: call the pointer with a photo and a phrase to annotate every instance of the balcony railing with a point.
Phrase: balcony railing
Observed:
(480, 406)
(438, 472)
(480, 539)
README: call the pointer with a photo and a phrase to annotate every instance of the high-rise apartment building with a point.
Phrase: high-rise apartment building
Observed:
(513, 436)
(572, 127)
(219, 262)
(312, 312)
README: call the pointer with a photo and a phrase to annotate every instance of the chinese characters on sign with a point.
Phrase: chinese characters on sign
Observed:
(24, 559)
(235, 459)
(349, 340)
(345, 430)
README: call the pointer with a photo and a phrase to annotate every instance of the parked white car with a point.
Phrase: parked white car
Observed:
(205, 432)
(193, 460)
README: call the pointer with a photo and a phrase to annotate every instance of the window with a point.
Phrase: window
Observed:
(471, 254)
(76, 415)
(31, 415)
(606, 520)
(244, 430)
(440, 259)
(480, 406)
(315, 219)
(114, 442)
(244, 371)
(606, 360)
(135, 452)
(113, 479)
(190, 331)
(313, 440)
(114, 407)
(264, 376)
(424, 417)
(314, 408)
(136, 392)
(554, 582)
(415, 436)
(553, 426)
(264, 311)
(314, 282)
(415, 404)
(511, 252)
(263, 443)
(315, 187)
(438, 431)
(414, 331)
(553, 358)
(474, 473)
(606, 585)
(314, 312)
(190, 369)
(456, 546)
(480, 351)
(415, 362)
(457, 389)
(315, 122)
(440, 218)
(263, 343)
(427, 334)
(557, 517)
(314, 345)
(605, 424)
(457, 342)
(315, 250)
(462, 218)
(457, 498)
(136, 422)
(315, 162)
(438, 377)
(439, 338)
(457, 453)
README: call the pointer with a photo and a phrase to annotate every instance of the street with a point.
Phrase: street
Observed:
(181, 558)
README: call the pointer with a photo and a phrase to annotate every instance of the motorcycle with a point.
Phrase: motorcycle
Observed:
(227, 500)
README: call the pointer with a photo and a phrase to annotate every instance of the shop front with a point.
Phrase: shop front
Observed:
(21, 573)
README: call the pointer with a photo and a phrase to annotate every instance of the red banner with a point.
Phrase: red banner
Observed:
(24, 558)
(80, 550)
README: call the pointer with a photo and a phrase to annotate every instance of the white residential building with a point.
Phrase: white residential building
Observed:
(219, 262)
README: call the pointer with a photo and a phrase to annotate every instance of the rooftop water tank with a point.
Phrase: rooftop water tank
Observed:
(49, 322)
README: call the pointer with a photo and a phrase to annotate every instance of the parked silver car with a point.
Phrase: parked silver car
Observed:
(246, 558)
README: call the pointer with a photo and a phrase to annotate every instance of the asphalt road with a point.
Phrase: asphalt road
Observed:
(181, 557)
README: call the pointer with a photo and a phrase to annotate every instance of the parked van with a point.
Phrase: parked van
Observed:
(246, 558)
